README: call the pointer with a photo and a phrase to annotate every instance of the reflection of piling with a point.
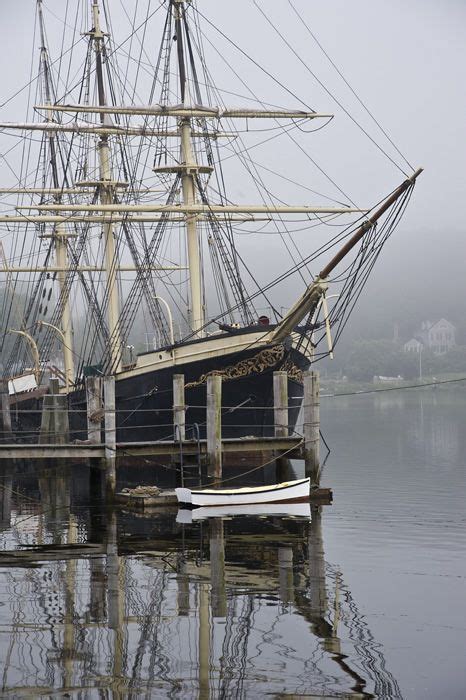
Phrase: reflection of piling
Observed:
(318, 597)
(98, 574)
(113, 573)
(311, 426)
(214, 427)
(116, 613)
(217, 567)
(55, 495)
(69, 627)
(204, 642)
(182, 582)
(285, 574)
(318, 592)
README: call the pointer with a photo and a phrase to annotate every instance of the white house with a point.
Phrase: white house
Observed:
(440, 337)
(413, 345)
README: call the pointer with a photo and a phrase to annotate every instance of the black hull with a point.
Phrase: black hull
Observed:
(144, 403)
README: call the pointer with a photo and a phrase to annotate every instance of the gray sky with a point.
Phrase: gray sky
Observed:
(406, 61)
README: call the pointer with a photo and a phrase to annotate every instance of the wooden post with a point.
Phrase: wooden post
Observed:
(311, 426)
(94, 434)
(7, 432)
(6, 491)
(110, 437)
(214, 427)
(280, 403)
(94, 409)
(281, 422)
(54, 386)
(46, 420)
(60, 418)
(179, 407)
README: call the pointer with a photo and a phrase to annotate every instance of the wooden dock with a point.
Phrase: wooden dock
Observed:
(101, 448)
(164, 448)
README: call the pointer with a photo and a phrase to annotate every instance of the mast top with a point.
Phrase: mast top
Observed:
(96, 31)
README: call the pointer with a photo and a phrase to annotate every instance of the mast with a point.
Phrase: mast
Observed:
(59, 233)
(106, 190)
(189, 168)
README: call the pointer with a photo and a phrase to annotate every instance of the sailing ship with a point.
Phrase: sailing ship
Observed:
(126, 216)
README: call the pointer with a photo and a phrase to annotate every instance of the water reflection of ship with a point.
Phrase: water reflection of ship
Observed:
(96, 619)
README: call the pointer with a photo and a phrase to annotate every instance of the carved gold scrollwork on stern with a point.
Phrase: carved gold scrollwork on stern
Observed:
(293, 371)
(265, 359)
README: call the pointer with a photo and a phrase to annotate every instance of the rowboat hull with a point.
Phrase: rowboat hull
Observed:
(285, 492)
(285, 510)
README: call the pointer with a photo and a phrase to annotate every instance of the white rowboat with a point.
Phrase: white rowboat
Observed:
(286, 492)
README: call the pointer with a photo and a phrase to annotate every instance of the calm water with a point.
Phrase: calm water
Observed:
(365, 598)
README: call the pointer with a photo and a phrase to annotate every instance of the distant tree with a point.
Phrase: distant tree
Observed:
(452, 361)
(368, 358)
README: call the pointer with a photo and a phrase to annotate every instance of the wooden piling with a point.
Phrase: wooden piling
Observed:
(214, 427)
(281, 422)
(311, 427)
(94, 409)
(94, 413)
(54, 386)
(6, 492)
(6, 428)
(45, 434)
(60, 419)
(280, 403)
(47, 421)
(110, 436)
(179, 407)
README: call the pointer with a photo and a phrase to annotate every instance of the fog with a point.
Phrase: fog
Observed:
(405, 60)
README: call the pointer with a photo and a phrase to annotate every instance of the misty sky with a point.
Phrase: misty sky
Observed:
(405, 59)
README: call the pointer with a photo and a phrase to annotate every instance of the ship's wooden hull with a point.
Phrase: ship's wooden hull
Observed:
(144, 399)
